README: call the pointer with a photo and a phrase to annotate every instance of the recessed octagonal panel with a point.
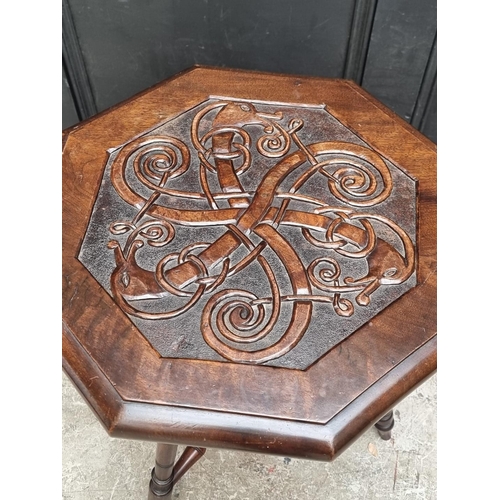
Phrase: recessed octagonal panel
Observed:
(251, 232)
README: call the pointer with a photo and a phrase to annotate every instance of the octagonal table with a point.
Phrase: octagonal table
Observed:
(249, 262)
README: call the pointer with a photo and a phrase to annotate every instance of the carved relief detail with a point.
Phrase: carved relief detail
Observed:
(225, 138)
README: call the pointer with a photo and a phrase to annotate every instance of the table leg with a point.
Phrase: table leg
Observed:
(160, 486)
(384, 426)
(167, 471)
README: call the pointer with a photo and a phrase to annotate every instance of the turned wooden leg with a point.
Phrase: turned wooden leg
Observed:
(167, 471)
(161, 485)
(384, 426)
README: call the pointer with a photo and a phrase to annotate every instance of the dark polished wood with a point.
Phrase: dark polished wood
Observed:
(189, 457)
(125, 344)
(161, 483)
(167, 472)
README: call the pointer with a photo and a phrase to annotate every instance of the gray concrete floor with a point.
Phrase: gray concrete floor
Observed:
(97, 467)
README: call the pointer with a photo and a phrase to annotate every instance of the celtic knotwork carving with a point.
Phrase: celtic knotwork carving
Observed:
(253, 175)
(385, 264)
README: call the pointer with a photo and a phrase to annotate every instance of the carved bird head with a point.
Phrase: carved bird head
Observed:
(129, 279)
(238, 114)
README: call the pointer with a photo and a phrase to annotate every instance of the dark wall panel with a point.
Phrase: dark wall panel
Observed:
(128, 46)
(115, 48)
(69, 114)
(400, 46)
(429, 120)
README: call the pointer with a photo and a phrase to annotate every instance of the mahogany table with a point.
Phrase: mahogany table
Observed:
(249, 262)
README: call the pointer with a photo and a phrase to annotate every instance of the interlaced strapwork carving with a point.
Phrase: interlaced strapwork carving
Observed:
(226, 140)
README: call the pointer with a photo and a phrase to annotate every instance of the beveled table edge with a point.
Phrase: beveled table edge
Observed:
(214, 429)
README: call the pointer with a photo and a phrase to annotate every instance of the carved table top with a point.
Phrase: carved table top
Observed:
(248, 251)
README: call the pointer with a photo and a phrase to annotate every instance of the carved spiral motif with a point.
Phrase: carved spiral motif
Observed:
(359, 180)
(158, 159)
(156, 232)
(275, 144)
(328, 280)
(238, 318)
(326, 275)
